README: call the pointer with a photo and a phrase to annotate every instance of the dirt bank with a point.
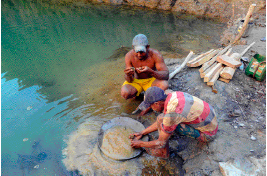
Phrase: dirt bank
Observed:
(223, 9)
(241, 109)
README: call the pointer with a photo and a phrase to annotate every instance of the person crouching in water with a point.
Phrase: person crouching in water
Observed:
(182, 112)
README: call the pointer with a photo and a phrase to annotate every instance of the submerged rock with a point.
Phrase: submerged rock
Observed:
(119, 53)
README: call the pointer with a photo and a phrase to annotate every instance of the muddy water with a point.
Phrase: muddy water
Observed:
(61, 80)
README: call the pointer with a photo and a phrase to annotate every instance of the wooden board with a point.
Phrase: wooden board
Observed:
(228, 52)
(203, 59)
(211, 73)
(227, 73)
(230, 62)
(236, 56)
(224, 80)
(214, 78)
(198, 57)
(210, 62)
(202, 75)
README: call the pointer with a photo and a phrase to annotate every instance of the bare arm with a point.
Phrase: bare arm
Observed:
(128, 72)
(159, 143)
(162, 72)
(146, 131)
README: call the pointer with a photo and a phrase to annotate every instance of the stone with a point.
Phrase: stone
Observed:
(165, 4)
(246, 166)
(241, 124)
(253, 138)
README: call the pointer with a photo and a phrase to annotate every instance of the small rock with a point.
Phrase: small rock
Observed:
(237, 112)
(253, 138)
(241, 124)
(251, 150)
(235, 127)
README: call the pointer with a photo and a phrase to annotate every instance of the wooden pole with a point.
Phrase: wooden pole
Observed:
(246, 49)
(182, 66)
(244, 27)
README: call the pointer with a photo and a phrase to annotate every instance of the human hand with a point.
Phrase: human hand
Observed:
(129, 71)
(136, 143)
(136, 136)
(143, 69)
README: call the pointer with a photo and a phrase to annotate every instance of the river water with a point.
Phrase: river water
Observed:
(61, 73)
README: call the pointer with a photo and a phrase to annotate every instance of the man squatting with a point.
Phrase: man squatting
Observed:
(181, 112)
(145, 67)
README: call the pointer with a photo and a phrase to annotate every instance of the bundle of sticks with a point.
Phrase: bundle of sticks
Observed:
(218, 64)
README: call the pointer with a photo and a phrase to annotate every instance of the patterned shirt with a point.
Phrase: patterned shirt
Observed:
(183, 108)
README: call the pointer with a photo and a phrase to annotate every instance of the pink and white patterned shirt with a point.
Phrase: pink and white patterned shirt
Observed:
(193, 112)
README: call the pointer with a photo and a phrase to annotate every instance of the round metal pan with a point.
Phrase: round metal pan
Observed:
(125, 122)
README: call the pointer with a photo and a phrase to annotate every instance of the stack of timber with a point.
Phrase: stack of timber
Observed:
(218, 64)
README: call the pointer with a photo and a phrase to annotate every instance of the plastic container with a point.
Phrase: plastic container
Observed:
(257, 67)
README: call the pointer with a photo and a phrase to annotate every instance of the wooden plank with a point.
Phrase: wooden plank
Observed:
(211, 73)
(204, 59)
(209, 63)
(202, 75)
(228, 52)
(227, 73)
(230, 62)
(224, 80)
(215, 77)
(198, 57)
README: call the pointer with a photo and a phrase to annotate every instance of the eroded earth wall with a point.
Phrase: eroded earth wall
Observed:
(224, 9)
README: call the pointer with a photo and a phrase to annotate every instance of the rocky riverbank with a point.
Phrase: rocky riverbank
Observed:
(241, 109)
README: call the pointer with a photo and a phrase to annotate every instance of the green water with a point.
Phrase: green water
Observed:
(58, 70)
